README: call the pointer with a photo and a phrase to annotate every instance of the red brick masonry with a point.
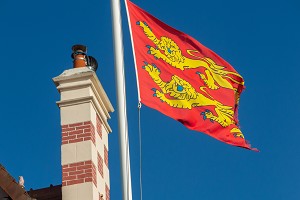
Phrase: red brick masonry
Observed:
(100, 165)
(107, 191)
(80, 172)
(99, 127)
(105, 156)
(78, 132)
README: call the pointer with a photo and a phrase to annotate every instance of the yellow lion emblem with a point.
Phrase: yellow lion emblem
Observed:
(183, 95)
(166, 49)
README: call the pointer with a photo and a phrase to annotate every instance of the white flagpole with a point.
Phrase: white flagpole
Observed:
(121, 100)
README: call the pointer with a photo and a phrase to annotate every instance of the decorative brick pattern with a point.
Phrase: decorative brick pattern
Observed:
(107, 191)
(99, 127)
(100, 165)
(78, 132)
(105, 156)
(80, 172)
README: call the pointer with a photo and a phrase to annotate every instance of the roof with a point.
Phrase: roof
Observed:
(10, 189)
(9, 186)
(49, 193)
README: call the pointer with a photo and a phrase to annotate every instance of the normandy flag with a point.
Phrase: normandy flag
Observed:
(185, 80)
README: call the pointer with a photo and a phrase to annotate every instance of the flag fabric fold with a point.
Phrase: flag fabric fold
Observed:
(183, 79)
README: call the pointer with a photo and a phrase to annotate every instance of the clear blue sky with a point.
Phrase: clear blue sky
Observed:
(259, 38)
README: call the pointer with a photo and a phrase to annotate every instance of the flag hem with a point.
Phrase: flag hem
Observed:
(133, 51)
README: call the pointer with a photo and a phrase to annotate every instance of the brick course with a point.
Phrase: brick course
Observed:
(100, 165)
(78, 132)
(107, 191)
(105, 156)
(80, 172)
(99, 127)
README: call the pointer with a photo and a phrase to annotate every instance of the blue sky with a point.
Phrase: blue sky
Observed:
(259, 38)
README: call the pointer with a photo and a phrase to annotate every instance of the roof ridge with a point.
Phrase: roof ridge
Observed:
(11, 187)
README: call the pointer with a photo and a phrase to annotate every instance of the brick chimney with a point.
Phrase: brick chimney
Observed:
(84, 110)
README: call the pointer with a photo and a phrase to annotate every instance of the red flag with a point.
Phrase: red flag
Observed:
(185, 80)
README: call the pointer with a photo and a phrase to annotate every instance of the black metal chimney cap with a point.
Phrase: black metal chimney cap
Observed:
(92, 63)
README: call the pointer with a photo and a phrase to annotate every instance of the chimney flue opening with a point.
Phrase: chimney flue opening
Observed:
(78, 49)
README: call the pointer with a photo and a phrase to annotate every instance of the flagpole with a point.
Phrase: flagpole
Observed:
(121, 100)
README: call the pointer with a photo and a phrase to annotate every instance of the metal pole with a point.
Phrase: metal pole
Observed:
(121, 99)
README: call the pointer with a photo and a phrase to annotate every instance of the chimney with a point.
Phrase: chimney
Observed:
(84, 110)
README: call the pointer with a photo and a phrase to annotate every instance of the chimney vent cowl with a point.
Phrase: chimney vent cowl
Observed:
(81, 59)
